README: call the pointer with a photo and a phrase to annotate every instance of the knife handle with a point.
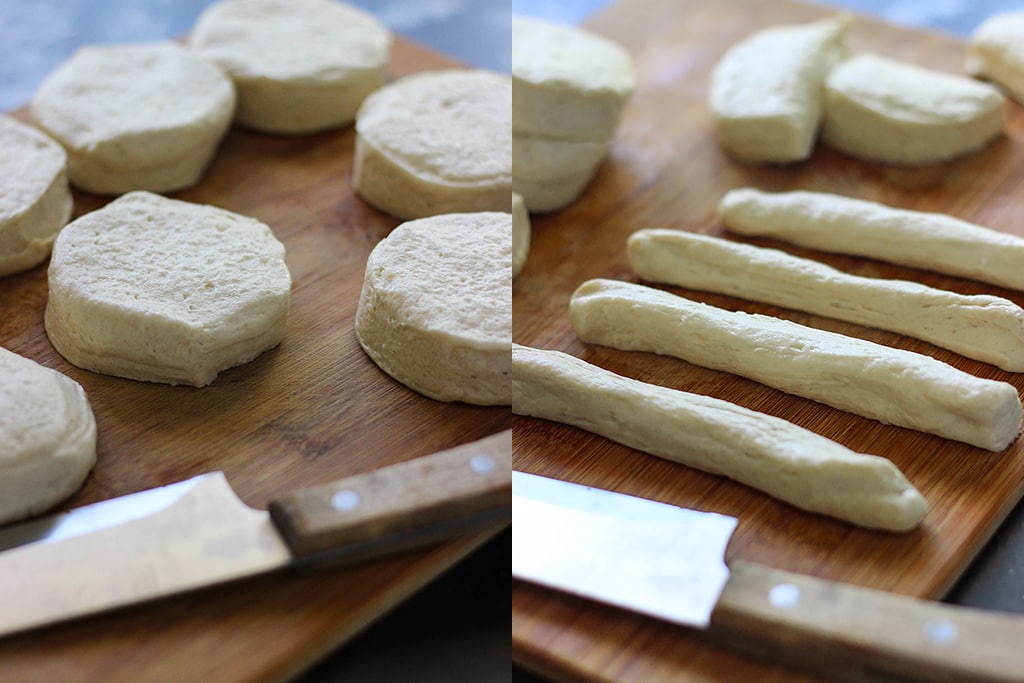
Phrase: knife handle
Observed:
(423, 500)
(855, 633)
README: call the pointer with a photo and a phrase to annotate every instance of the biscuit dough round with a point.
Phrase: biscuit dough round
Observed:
(996, 51)
(520, 234)
(435, 310)
(49, 435)
(436, 142)
(136, 116)
(884, 110)
(569, 83)
(551, 173)
(163, 290)
(35, 202)
(298, 65)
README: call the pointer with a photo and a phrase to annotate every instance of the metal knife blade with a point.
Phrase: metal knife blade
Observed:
(198, 533)
(665, 561)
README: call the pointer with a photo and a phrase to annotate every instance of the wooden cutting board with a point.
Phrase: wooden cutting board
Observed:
(665, 169)
(312, 410)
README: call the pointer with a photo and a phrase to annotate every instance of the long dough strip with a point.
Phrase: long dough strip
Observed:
(886, 384)
(932, 241)
(984, 327)
(767, 453)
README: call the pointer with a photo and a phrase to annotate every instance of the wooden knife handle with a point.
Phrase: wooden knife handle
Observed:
(419, 501)
(856, 633)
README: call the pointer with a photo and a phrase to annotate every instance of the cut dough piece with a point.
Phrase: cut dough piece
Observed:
(298, 65)
(996, 51)
(136, 117)
(35, 202)
(931, 241)
(569, 83)
(765, 452)
(49, 436)
(765, 92)
(162, 290)
(435, 311)
(886, 384)
(436, 142)
(884, 110)
(982, 327)
(520, 234)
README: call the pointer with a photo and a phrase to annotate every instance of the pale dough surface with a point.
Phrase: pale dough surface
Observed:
(436, 142)
(983, 327)
(881, 109)
(48, 433)
(298, 65)
(846, 225)
(995, 51)
(163, 290)
(765, 92)
(879, 382)
(764, 452)
(550, 173)
(35, 202)
(520, 234)
(136, 116)
(435, 311)
(570, 83)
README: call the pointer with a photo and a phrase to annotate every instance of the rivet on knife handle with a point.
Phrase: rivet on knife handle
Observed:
(855, 633)
(419, 501)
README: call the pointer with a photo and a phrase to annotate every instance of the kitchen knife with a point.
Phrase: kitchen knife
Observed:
(198, 533)
(668, 562)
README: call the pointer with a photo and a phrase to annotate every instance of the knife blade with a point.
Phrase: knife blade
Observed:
(198, 533)
(667, 562)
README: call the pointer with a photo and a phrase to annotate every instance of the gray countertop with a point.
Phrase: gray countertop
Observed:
(456, 629)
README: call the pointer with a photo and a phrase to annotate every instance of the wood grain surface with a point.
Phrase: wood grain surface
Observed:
(310, 411)
(665, 169)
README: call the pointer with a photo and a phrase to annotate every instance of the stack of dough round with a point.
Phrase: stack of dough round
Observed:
(435, 311)
(136, 117)
(436, 142)
(569, 88)
(162, 290)
(35, 202)
(48, 433)
(299, 65)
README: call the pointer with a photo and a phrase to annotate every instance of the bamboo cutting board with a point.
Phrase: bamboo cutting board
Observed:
(665, 169)
(312, 410)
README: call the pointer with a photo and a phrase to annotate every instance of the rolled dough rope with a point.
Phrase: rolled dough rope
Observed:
(983, 327)
(764, 452)
(932, 241)
(886, 384)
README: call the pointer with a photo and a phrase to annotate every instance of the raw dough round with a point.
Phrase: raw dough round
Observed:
(435, 312)
(550, 173)
(996, 51)
(436, 142)
(162, 290)
(136, 117)
(569, 83)
(520, 234)
(35, 202)
(299, 65)
(49, 436)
